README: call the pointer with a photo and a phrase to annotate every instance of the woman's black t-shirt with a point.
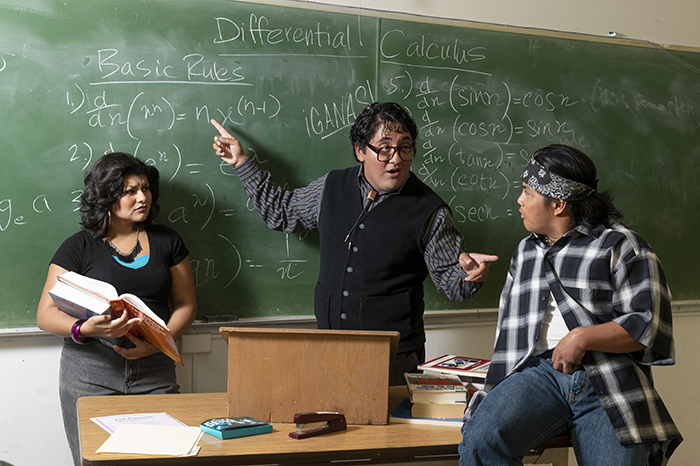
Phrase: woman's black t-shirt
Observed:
(83, 254)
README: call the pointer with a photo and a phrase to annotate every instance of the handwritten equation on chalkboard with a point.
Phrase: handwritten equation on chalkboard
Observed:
(480, 125)
(289, 83)
(148, 84)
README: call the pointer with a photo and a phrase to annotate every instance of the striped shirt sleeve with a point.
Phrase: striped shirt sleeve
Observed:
(281, 209)
(443, 245)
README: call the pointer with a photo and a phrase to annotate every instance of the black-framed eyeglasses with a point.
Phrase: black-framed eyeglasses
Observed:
(385, 153)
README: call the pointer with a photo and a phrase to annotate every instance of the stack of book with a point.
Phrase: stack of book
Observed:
(439, 396)
(471, 371)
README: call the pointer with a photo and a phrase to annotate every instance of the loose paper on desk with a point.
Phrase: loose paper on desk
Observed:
(141, 439)
(110, 423)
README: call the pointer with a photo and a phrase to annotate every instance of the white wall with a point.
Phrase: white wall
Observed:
(672, 22)
(29, 358)
(29, 399)
(29, 387)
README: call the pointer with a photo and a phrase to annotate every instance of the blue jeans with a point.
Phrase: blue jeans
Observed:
(96, 369)
(536, 404)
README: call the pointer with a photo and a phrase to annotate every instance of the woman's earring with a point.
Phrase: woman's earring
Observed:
(109, 216)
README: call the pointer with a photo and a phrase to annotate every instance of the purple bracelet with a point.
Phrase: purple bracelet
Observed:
(75, 333)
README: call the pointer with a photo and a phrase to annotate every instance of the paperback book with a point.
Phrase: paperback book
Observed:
(234, 427)
(427, 388)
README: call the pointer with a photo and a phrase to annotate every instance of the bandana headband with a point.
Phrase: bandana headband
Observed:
(554, 186)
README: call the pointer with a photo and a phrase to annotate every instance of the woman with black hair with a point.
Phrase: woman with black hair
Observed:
(119, 244)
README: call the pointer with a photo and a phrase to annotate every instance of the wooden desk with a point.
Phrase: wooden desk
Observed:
(365, 444)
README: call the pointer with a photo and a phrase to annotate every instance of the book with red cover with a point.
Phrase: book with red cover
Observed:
(464, 367)
(83, 297)
(428, 388)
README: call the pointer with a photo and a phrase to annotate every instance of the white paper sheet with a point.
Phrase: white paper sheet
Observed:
(110, 423)
(142, 439)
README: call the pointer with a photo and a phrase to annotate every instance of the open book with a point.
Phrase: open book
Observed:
(83, 297)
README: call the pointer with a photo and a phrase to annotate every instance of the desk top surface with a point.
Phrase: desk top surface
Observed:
(393, 442)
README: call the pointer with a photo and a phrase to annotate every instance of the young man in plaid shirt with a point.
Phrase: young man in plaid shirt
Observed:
(584, 313)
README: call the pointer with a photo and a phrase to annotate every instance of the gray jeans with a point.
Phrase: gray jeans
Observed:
(95, 369)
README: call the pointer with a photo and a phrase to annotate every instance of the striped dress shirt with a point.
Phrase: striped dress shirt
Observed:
(297, 210)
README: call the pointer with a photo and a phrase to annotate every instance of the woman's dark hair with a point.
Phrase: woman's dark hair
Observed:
(571, 163)
(390, 115)
(104, 186)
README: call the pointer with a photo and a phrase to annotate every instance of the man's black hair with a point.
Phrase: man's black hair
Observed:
(387, 115)
(571, 163)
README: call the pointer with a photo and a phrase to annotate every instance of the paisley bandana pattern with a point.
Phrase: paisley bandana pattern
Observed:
(552, 185)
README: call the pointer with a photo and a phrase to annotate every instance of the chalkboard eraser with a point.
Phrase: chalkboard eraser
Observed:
(221, 318)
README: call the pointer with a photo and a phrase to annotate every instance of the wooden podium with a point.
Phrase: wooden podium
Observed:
(275, 373)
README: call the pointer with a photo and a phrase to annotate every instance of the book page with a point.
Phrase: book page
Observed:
(77, 302)
(138, 303)
(96, 287)
(151, 329)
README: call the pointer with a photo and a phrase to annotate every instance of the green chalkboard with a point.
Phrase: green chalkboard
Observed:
(488, 99)
(81, 78)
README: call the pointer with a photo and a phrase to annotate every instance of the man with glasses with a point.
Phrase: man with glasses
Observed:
(381, 230)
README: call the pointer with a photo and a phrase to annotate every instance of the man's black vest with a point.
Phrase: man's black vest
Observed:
(374, 280)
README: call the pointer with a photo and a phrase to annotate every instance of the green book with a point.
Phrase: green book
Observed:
(233, 427)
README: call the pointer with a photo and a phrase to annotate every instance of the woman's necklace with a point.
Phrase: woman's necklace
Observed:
(129, 257)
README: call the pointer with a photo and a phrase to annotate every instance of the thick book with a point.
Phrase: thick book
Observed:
(403, 415)
(234, 427)
(83, 297)
(467, 369)
(444, 388)
(439, 410)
